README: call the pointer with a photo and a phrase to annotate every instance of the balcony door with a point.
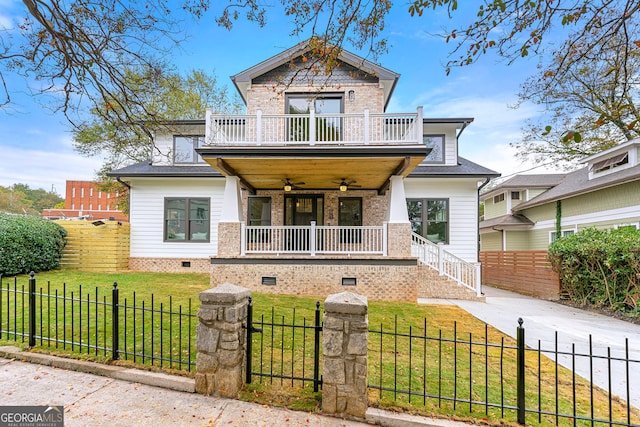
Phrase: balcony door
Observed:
(301, 209)
(327, 128)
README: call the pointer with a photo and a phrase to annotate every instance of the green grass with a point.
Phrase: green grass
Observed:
(447, 365)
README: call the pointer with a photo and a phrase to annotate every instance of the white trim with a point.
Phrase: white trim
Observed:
(628, 224)
(601, 216)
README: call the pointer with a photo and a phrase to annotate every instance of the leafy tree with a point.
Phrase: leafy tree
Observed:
(122, 139)
(21, 199)
(592, 107)
(85, 48)
(14, 201)
(40, 198)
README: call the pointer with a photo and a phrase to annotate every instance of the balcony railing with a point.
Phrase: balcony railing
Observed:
(312, 128)
(313, 240)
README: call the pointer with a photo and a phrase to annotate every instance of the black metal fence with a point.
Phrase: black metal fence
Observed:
(86, 322)
(284, 351)
(501, 380)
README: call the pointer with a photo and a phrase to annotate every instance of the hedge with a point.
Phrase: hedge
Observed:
(600, 267)
(29, 243)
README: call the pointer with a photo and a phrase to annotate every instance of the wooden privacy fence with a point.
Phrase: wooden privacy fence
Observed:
(100, 247)
(525, 272)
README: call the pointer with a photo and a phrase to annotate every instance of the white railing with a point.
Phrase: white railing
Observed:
(312, 128)
(313, 239)
(447, 264)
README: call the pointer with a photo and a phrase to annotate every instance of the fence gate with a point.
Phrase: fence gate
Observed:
(281, 351)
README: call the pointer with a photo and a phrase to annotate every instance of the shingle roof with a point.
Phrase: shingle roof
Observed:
(148, 170)
(578, 182)
(506, 221)
(526, 181)
(463, 168)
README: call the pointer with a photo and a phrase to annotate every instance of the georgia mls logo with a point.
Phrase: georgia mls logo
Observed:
(31, 416)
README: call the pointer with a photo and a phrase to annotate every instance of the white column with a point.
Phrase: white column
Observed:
(397, 201)
(232, 205)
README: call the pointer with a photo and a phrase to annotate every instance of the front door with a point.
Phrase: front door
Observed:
(302, 209)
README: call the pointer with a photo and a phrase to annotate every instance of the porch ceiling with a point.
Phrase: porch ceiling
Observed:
(320, 168)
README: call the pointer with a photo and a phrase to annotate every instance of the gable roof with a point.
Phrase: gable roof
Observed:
(578, 182)
(386, 77)
(525, 181)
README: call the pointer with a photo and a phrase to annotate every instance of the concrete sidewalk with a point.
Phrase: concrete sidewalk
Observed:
(574, 326)
(127, 397)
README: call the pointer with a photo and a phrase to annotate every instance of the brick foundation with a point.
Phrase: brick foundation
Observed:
(306, 277)
(170, 265)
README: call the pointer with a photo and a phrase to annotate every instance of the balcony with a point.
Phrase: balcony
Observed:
(314, 129)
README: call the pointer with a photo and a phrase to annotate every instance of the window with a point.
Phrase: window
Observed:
(91, 192)
(610, 163)
(184, 149)
(430, 218)
(631, 226)
(259, 211)
(436, 143)
(82, 192)
(259, 215)
(499, 198)
(73, 192)
(515, 195)
(328, 128)
(350, 215)
(564, 233)
(186, 220)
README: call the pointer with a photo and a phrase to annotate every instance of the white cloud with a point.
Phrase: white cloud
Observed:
(44, 169)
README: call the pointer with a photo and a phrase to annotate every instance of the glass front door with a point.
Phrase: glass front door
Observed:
(301, 209)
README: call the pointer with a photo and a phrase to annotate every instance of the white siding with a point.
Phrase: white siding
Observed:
(147, 216)
(463, 210)
(450, 143)
(163, 142)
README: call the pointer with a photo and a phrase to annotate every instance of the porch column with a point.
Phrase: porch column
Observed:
(229, 227)
(398, 227)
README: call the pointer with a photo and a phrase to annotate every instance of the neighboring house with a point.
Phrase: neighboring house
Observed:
(85, 199)
(315, 190)
(522, 213)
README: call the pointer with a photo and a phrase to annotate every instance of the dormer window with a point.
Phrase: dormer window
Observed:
(184, 149)
(610, 163)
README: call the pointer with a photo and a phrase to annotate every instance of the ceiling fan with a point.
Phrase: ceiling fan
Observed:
(344, 184)
(288, 185)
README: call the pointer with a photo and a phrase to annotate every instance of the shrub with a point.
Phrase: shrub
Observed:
(29, 243)
(600, 267)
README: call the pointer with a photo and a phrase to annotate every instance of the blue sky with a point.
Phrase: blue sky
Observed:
(36, 144)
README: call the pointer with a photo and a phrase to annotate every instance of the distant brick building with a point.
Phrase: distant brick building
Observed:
(85, 199)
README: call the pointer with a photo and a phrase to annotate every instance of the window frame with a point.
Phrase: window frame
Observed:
(425, 221)
(443, 147)
(187, 221)
(563, 233)
(498, 198)
(348, 236)
(196, 142)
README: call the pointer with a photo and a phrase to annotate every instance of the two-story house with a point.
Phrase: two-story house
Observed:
(314, 190)
(527, 212)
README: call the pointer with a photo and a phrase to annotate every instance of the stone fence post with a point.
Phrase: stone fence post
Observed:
(344, 347)
(220, 340)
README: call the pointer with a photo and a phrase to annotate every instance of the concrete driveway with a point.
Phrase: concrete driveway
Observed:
(574, 327)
